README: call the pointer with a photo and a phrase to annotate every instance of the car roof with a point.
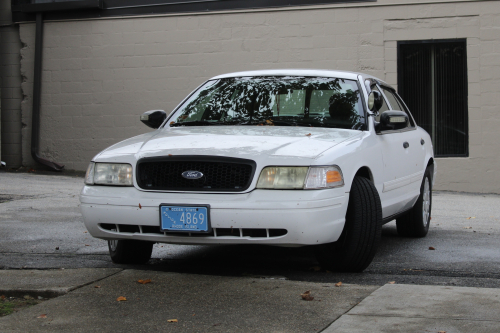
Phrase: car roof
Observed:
(301, 72)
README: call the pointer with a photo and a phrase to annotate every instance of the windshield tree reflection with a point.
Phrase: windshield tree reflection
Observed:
(274, 101)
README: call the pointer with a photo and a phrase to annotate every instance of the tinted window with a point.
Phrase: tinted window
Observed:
(384, 104)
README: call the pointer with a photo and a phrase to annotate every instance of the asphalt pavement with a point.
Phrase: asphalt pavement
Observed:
(448, 281)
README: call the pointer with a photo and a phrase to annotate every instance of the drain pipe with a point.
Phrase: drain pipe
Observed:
(37, 88)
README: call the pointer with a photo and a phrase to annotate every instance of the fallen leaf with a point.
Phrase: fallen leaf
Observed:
(431, 248)
(121, 299)
(169, 154)
(306, 296)
(315, 268)
(144, 281)
(87, 245)
(140, 207)
(97, 286)
(338, 284)
(84, 232)
(2, 297)
(172, 321)
(441, 331)
(42, 316)
(472, 217)
(308, 134)
(172, 122)
(392, 282)
(217, 324)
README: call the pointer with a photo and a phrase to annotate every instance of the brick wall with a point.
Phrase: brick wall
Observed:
(100, 75)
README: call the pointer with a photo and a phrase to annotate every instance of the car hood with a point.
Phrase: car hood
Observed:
(233, 141)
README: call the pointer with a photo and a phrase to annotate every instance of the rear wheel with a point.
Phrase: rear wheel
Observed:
(416, 222)
(358, 243)
(126, 251)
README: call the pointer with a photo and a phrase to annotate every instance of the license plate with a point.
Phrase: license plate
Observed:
(185, 218)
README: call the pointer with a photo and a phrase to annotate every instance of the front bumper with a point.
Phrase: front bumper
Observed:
(309, 217)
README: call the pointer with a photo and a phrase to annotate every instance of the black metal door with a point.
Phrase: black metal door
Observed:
(432, 80)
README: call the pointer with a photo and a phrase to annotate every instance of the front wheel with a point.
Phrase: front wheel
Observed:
(356, 247)
(126, 251)
(416, 222)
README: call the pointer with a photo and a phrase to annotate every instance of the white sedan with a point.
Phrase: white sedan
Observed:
(274, 157)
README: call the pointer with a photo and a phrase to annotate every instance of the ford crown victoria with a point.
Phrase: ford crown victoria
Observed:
(277, 157)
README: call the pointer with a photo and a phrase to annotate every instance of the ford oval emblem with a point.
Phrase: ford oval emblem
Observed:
(192, 174)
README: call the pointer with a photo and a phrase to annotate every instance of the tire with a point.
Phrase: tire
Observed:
(416, 222)
(358, 243)
(127, 251)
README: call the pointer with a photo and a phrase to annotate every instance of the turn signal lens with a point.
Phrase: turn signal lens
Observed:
(324, 177)
(89, 176)
(333, 176)
(397, 119)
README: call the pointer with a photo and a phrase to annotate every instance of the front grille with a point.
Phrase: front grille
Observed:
(219, 173)
(127, 229)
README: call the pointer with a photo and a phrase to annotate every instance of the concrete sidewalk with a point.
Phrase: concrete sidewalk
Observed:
(405, 308)
(199, 303)
(202, 303)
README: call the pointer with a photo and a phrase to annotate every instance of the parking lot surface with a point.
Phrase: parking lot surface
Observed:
(45, 250)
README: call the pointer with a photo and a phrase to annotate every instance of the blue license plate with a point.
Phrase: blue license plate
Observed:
(185, 218)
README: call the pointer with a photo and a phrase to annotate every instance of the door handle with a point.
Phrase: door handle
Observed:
(406, 145)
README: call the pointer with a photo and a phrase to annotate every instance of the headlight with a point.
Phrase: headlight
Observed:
(89, 175)
(289, 178)
(111, 174)
(283, 178)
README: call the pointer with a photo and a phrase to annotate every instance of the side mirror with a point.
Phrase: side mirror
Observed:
(393, 120)
(375, 101)
(153, 118)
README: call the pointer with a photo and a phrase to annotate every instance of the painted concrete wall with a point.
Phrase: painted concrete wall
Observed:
(10, 89)
(100, 75)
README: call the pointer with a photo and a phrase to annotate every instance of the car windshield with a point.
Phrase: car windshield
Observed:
(274, 101)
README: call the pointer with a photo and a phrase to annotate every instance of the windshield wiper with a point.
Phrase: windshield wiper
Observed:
(271, 122)
(199, 123)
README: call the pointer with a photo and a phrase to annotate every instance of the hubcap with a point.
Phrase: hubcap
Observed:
(113, 243)
(426, 202)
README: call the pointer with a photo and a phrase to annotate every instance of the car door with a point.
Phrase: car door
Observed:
(403, 156)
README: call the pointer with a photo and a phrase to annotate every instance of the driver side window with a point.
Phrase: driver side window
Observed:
(396, 103)
(384, 104)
